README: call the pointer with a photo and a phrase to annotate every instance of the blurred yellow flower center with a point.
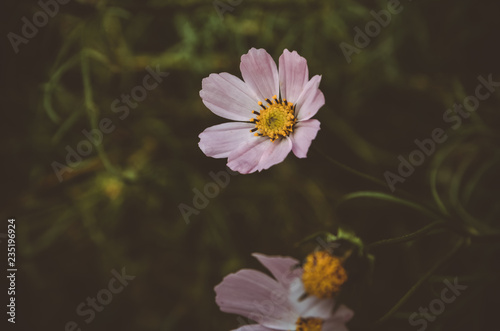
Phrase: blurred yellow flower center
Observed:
(323, 274)
(275, 120)
(309, 324)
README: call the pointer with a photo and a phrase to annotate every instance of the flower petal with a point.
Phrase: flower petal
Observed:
(302, 136)
(343, 314)
(294, 74)
(276, 153)
(284, 269)
(219, 140)
(228, 96)
(248, 293)
(337, 322)
(259, 72)
(245, 159)
(310, 100)
(330, 325)
(254, 327)
(310, 306)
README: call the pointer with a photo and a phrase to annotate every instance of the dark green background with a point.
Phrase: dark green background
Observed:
(70, 235)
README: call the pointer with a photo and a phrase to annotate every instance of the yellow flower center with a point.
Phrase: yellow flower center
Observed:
(323, 274)
(309, 324)
(275, 120)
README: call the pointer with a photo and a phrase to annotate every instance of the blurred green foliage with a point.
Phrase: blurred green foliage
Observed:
(119, 207)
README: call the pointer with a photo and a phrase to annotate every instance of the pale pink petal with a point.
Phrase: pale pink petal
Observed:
(254, 327)
(276, 153)
(259, 72)
(310, 100)
(284, 269)
(303, 134)
(228, 96)
(343, 314)
(259, 155)
(219, 140)
(245, 159)
(337, 322)
(309, 306)
(333, 326)
(294, 74)
(247, 293)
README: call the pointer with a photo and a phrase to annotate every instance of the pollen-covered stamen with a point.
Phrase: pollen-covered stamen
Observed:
(323, 274)
(309, 324)
(275, 120)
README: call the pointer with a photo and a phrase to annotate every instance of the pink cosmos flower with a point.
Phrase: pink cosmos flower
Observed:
(273, 110)
(279, 303)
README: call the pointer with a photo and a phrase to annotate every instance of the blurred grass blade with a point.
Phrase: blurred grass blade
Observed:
(392, 199)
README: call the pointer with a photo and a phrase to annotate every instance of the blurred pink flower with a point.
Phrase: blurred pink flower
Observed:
(273, 109)
(278, 304)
